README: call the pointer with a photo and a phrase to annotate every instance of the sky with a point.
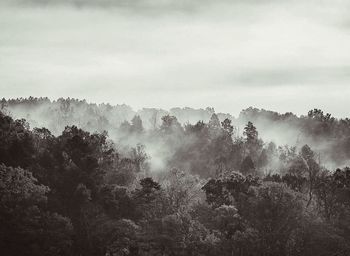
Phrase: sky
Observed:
(286, 56)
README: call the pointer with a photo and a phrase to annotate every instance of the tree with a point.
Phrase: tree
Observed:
(26, 228)
(116, 237)
(228, 188)
(16, 142)
(227, 126)
(247, 166)
(182, 190)
(76, 164)
(253, 144)
(214, 122)
(198, 128)
(312, 168)
(140, 156)
(147, 199)
(250, 133)
(333, 194)
(136, 124)
(274, 211)
(169, 123)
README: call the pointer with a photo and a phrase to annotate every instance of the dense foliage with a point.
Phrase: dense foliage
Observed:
(211, 192)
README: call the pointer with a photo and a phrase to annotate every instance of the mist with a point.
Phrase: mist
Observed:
(187, 140)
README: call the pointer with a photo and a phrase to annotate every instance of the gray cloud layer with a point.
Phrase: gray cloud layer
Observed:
(280, 55)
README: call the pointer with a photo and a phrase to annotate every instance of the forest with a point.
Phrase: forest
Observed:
(78, 178)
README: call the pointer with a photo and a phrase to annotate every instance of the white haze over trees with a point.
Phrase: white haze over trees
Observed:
(327, 136)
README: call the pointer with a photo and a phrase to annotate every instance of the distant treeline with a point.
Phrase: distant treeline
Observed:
(327, 136)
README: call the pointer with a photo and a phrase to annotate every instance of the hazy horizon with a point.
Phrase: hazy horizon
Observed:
(285, 56)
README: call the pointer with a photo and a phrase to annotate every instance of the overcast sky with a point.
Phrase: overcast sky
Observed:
(272, 54)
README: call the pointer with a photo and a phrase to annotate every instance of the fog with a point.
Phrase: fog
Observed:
(278, 55)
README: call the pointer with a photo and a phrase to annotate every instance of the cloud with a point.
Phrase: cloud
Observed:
(274, 55)
(321, 76)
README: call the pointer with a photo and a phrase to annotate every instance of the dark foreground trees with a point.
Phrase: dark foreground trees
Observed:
(270, 218)
(76, 194)
(27, 227)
